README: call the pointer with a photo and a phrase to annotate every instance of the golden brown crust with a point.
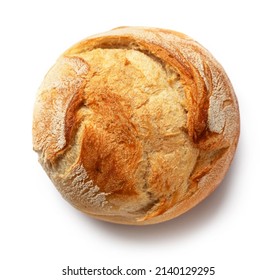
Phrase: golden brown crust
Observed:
(136, 125)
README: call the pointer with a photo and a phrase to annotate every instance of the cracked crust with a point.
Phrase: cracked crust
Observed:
(136, 125)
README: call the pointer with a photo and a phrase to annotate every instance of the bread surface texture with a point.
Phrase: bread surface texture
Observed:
(136, 125)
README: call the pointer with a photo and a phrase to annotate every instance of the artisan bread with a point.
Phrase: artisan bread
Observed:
(136, 125)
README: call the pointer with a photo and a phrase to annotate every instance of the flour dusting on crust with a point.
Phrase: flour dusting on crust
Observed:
(77, 186)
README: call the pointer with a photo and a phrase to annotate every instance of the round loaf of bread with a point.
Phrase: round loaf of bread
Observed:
(136, 125)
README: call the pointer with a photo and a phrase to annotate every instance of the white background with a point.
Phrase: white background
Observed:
(233, 230)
